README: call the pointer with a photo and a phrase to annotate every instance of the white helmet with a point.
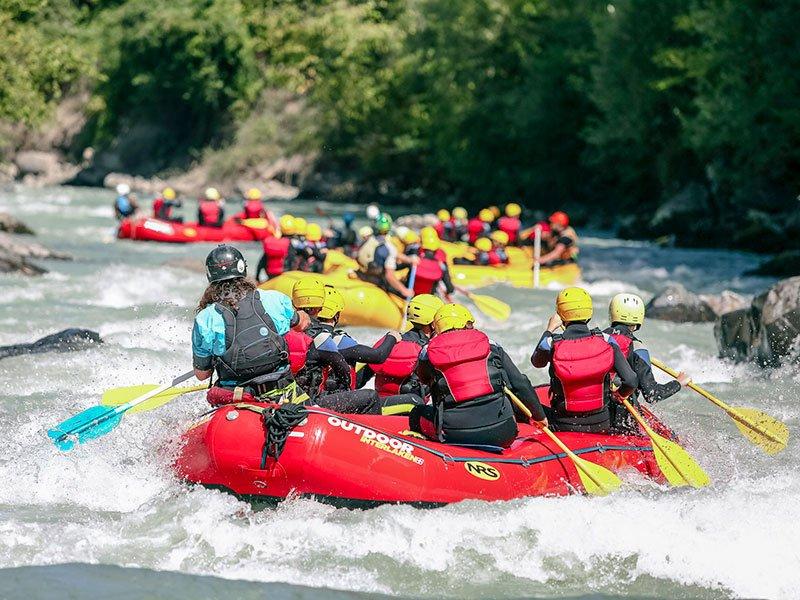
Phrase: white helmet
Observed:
(373, 211)
(123, 189)
(627, 309)
(212, 193)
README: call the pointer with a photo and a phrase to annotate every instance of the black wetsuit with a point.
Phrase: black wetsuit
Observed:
(597, 421)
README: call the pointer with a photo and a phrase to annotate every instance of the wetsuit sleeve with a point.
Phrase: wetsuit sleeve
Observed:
(566, 241)
(652, 391)
(279, 307)
(359, 353)
(624, 371)
(208, 338)
(363, 376)
(521, 386)
(446, 279)
(543, 351)
(339, 378)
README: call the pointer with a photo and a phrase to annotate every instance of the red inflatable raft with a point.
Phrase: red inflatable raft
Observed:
(155, 230)
(366, 460)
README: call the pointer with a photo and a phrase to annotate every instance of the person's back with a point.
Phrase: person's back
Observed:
(510, 223)
(209, 210)
(124, 206)
(581, 363)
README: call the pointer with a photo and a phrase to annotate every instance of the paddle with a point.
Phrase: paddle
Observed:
(488, 305)
(596, 480)
(675, 463)
(537, 254)
(98, 420)
(121, 395)
(412, 276)
(761, 429)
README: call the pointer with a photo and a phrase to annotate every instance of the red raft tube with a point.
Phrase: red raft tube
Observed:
(148, 229)
(360, 461)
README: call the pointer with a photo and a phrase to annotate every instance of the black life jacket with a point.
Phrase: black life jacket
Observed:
(254, 346)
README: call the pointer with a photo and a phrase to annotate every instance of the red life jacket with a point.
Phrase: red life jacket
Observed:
(298, 344)
(624, 342)
(476, 228)
(253, 209)
(511, 226)
(276, 250)
(158, 206)
(494, 258)
(210, 211)
(440, 255)
(439, 227)
(429, 273)
(460, 356)
(399, 366)
(583, 366)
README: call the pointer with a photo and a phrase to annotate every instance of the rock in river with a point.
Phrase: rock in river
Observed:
(676, 303)
(67, 340)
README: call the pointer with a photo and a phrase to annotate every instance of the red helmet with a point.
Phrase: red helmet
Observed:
(559, 218)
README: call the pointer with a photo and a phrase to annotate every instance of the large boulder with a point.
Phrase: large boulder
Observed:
(13, 225)
(767, 332)
(676, 303)
(15, 252)
(725, 302)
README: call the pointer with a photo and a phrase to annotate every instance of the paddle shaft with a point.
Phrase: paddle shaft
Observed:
(412, 275)
(537, 253)
(732, 412)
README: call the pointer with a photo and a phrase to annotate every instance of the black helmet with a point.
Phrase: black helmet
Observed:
(225, 262)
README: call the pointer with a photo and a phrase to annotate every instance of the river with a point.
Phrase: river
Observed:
(115, 503)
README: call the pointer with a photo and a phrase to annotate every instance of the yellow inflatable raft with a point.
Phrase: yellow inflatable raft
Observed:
(365, 304)
(475, 276)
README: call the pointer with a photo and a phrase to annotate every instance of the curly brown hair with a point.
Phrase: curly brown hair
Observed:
(228, 292)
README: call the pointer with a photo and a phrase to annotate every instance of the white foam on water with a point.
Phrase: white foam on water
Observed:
(121, 286)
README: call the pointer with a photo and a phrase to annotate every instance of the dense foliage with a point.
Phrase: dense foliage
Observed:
(680, 115)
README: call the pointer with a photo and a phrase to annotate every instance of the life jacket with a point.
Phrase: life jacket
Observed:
(511, 226)
(624, 342)
(253, 209)
(583, 367)
(366, 255)
(461, 357)
(124, 206)
(429, 273)
(158, 207)
(440, 255)
(494, 257)
(209, 212)
(298, 344)
(254, 346)
(501, 255)
(571, 252)
(275, 249)
(476, 228)
(398, 367)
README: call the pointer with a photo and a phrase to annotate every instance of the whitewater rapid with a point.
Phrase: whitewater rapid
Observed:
(115, 501)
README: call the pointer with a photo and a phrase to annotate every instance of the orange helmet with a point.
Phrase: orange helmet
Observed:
(559, 218)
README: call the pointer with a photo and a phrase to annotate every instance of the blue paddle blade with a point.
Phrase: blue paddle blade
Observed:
(87, 425)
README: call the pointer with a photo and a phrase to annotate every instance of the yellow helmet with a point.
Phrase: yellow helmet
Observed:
(364, 232)
(452, 316)
(300, 226)
(333, 303)
(443, 214)
(168, 193)
(422, 308)
(574, 304)
(313, 232)
(513, 209)
(308, 292)
(627, 309)
(253, 194)
(495, 211)
(212, 193)
(483, 244)
(459, 212)
(486, 215)
(430, 239)
(410, 237)
(500, 237)
(288, 225)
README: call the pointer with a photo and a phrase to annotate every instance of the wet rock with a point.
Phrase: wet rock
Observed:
(11, 224)
(15, 252)
(67, 340)
(767, 332)
(41, 168)
(676, 303)
(14, 263)
(725, 302)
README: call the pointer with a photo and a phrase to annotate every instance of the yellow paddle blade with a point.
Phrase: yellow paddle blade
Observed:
(121, 395)
(675, 463)
(761, 429)
(491, 306)
(260, 223)
(596, 480)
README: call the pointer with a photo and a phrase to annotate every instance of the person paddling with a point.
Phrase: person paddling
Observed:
(163, 205)
(467, 375)
(582, 363)
(480, 225)
(238, 332)
(379, 258)
(432, 269)
(397, 374)
(276, 250)
(125, 203)
(626, 313)
(210, 210)
(510, 223)
(564, 242)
